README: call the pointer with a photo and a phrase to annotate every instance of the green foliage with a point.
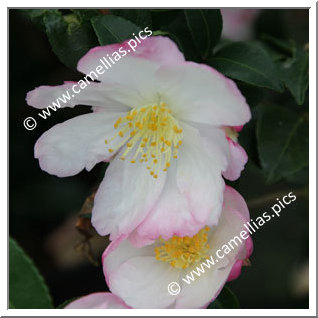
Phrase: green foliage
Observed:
(37, 15)
(140, 17)
(27, 288)
(86, 14)
(205, 27)
(294, 73)
(283, 141)
(225, 300)
(112, 29)
(247, 62)
(292, 62)
(70, 37)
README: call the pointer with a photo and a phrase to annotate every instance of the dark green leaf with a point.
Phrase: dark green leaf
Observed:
(299, 178)
(281, 46)
(225, 300)
(178, 31)
(161, 18)
(282, 137)
(27, 288)
(37, 15)
(205, 28)
(86, 14)
(70, 38)
(295, 74)
(247, 62)
(140, 17)
(112, 29)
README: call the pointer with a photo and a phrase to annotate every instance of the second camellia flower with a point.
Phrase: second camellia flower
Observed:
(140, 277)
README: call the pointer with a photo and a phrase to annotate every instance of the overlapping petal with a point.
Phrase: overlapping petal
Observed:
(201, 94)
(78, 143)
(125, 197)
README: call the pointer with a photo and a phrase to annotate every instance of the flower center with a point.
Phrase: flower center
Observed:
(152, 132)
(182, 252)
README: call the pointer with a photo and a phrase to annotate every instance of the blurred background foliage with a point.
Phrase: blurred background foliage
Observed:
(270, 66)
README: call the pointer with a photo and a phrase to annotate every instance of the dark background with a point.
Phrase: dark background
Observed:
(43, 208)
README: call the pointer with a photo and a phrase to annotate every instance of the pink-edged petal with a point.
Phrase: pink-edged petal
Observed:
(78, 143)
(157, 49)
(215, 143)
(230, 225)
(125, 197)
(98, 301)
(236, 271)
(238, 159)
(133, 72)
(234, 200)
(192, 195)
(199, 93)
(142, 282)
(111, 98)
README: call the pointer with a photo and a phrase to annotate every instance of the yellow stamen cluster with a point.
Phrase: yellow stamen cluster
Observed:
(152, 133)
(182, 252)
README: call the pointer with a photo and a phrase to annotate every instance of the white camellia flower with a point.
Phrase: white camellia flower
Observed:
(160, 121)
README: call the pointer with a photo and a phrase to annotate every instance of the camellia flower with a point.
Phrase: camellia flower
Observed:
(141, 276)
(160, 122)
(98, 301)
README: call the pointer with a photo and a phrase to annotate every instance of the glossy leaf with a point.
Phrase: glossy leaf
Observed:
(27, 288)
(247, 62)
(70, 38)
(140, 17)
(295, 74)
(178, 31)
(112, 29)
(205, 28)
(86, 14)
(282, 137)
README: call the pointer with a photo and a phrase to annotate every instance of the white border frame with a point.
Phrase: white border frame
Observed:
(312, 162)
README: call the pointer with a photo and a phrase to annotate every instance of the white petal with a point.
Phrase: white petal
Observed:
(205, 288)
(125, 197)
(98, 301)
(142, 282)
(78, 143)
(120, 251)
(111, 97)
(129, 71)
(199, 93)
